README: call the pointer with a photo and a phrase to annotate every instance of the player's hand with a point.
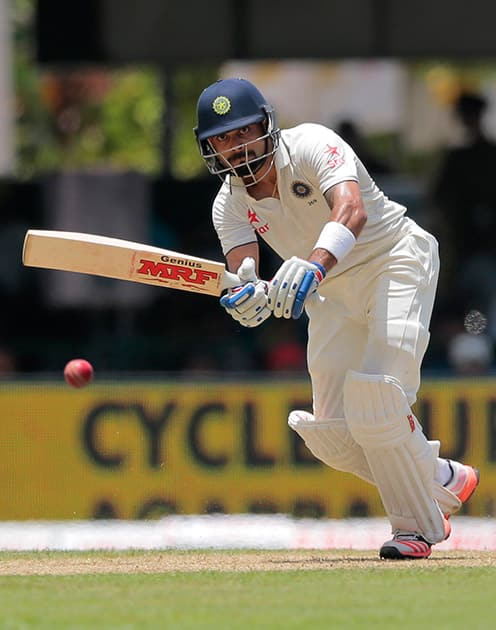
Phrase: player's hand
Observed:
(295, 281)
(247, 304)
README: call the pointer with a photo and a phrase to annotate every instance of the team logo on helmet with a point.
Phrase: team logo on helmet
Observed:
(301, 189)
(221, 105)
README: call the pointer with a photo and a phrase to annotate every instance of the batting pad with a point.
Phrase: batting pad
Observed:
(401, 459)
(331, 442)
(448, 502)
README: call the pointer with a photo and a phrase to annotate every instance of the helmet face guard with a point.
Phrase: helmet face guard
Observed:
(231, 104)
(219, 164)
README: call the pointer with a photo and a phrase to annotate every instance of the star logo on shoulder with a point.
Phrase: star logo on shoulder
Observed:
(335, 157)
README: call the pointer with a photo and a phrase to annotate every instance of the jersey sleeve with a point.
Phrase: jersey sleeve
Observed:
(230, 219)
(326, 158)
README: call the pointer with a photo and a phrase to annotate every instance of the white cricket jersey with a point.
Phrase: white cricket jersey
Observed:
(310, 159)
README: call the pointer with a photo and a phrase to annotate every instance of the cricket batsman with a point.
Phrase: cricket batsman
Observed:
(365, 274)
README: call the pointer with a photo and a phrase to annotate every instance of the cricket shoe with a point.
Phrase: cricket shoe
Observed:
(464, 481)
(405, 546)
(409, 546)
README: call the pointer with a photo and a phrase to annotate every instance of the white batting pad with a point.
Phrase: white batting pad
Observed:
(331, 442)
(400, 458)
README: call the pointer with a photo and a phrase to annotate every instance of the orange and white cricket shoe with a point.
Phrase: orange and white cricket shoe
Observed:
(464, 481)
(409, 546)
(405, 546)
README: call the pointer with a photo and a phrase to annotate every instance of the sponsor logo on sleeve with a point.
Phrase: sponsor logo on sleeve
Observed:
(335, 157)
(411, 422)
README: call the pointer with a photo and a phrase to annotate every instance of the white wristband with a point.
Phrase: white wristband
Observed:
(337, 239)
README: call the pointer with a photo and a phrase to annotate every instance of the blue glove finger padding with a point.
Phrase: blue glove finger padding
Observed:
(294, 283)
(234, 299)
(307, 284)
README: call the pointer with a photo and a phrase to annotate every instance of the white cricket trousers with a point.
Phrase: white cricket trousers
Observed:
(375, 319)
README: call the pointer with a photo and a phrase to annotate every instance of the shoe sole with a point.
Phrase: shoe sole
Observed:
(391, 553)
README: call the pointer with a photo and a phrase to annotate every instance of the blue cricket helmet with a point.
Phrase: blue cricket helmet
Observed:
(231, 104)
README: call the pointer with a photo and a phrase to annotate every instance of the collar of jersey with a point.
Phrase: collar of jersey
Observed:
(282, 154)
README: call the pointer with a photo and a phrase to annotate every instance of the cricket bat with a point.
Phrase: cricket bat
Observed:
(125, 260)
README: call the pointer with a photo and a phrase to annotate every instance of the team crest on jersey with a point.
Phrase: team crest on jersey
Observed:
(221, 105)
(301, 189)
(335, 156)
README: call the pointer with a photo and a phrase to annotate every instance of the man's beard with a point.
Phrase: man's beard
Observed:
(245, 170)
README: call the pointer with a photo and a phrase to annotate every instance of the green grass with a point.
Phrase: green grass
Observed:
(413, 595)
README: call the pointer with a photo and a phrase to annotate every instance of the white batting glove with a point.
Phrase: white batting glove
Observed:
(247, 304)
(293, 283)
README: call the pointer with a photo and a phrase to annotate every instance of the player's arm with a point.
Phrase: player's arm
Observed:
(247, 304)
(297, 279)
(347, 211)
(236, 256)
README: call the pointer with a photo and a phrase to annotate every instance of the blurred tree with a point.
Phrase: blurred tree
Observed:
(87, 118)
(187, 85)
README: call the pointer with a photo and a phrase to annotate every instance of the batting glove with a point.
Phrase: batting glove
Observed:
(289, 289)
(247, 304)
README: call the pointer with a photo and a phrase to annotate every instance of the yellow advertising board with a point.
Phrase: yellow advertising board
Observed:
(142, 449)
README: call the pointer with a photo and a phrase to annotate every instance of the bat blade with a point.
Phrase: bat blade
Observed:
(124, 260)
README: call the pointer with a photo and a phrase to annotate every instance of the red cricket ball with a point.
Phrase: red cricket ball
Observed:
(78, 373)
